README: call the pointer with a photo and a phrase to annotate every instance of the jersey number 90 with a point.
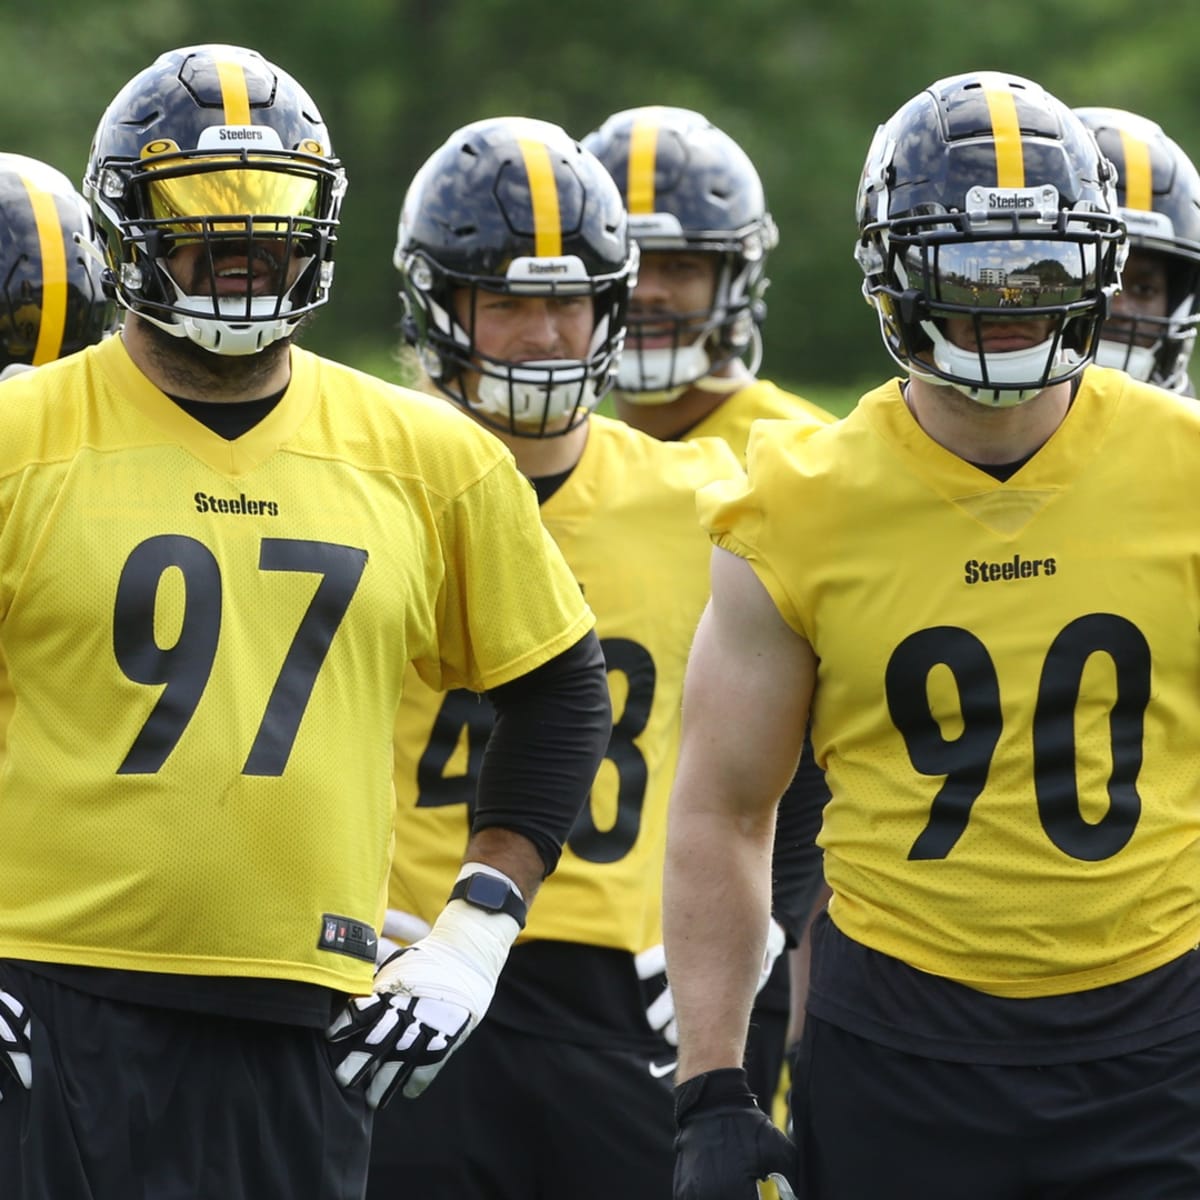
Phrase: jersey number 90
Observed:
(965, 760)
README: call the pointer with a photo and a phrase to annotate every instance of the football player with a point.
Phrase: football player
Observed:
(516, 266)
(699, 214)
(984, 584)
(1152, 330)
(52, 298)
(52, 301)
(219, 554)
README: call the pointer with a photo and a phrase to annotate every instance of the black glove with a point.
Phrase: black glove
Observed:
(726, 1143)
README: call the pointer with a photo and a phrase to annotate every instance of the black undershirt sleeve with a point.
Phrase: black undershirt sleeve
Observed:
(549, 738)
(797, 862)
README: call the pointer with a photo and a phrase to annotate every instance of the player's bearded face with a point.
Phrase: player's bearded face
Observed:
(191, 367)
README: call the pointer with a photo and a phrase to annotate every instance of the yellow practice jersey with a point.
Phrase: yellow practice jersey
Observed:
(731, 420)
(1008, 691)
(207, 641)
(625, 520)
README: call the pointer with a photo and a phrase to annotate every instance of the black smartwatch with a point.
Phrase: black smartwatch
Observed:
(492, 895)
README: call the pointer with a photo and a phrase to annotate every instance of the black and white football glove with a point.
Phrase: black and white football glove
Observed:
(726, 1145)
(14, 1040)
(427, 998)
(651, 967)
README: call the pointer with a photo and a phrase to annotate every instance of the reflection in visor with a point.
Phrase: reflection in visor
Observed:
(1004, 274)
(18, 331)
(237, 192)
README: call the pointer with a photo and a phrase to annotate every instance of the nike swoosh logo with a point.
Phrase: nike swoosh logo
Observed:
(657, 1072)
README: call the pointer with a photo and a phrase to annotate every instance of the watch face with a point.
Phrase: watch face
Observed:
(491, 894)
(488, 892)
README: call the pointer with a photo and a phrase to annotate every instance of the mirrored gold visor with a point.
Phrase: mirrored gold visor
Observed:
(1024, 273)
(240, 192)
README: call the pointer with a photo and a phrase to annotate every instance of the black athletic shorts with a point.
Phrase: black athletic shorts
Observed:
(131, 1102)
(872, 1121)
(514, 1116)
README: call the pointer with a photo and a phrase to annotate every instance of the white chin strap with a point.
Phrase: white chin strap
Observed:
(539, 394)
(720, 385)
(1137, 361)
(233, 337)
(1009, 372)
(648, 376)
(229, 333)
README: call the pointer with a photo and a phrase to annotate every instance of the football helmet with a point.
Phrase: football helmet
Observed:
(214, 147)
(514, 206)
(52, 300)
(985, 199)
(1158, 191)
(689, 187)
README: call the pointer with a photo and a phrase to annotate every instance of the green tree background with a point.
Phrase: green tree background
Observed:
(800, 83)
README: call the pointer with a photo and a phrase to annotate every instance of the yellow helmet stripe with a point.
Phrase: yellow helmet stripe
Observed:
(1006, 127)
(234, 95)
(54, 275)
(643, 142)
(1138, 177)
(543, 193)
